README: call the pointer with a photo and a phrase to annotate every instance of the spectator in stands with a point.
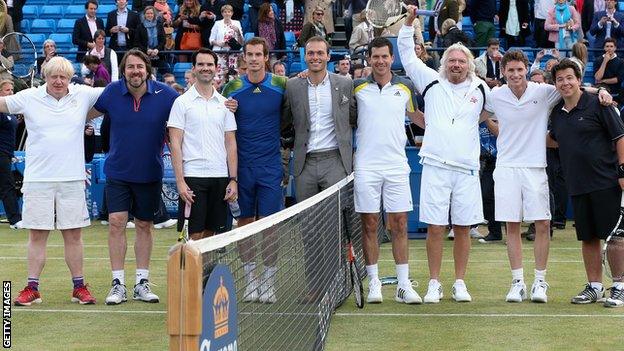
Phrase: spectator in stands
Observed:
(14, 9)
(139, 5)
(451, 34)
(607, 24)
(486, 174)
(587, 10)
(189, 78)
(237, 5)
(553, 53)
(562, 24)
(164, 11)
(482, 13)
(513, 19)
(580, 56)
(227, 34)
(241, 66)
(271, 29)
(487, 65)
(178, 88)
(54, 181)
(206, 172)
(120, 26)
(424, 56)
(8, 127)
(187, 20)
(328, 13)
(168, 79)
(150, 37)
(49, 51)
(209, 13)
(610, 69)
(96, 70)
(537, 76)
(313, 28)
(85, 27)
(353, 10)
(107, 55)
(291, 17)
(279, 69)
(254, 10)
(362, 34)
(542, 7)
(344, 66)
(448, 9)
(357, 70)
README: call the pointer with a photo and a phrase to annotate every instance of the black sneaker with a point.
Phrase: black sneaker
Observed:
(588, 295)
(530, 236)
(559, 225)
(616, 299)
(490, 238)
(530, 230)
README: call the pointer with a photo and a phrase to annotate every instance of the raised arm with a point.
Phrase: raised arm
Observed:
(420, 74)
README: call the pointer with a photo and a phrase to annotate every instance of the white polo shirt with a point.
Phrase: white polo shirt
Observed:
(380, 133)
(522, 123)
(204, 122)
(55, 143)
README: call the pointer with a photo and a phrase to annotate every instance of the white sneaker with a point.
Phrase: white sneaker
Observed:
(538, 291)
(474, 233)
(117, 294)
(434, 292)
(130, 225)
(374, 291)
(17, 225)
(251, 291)
(460, 292)
(451, 235)
(104, 222)
(143, 292)
(407, 294)
(517, 292)
(267, 293)
(616, 299)
(166, 224)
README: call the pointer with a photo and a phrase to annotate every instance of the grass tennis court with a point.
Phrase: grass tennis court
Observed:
(488, 323)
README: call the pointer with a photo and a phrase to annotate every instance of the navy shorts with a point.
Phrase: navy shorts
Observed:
(140, 199)
(260, 190)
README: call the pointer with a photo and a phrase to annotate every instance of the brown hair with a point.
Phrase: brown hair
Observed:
(257, 41)
(137, 53)
(579, 50)
(318, 39)
(514, 55)
(263, 12)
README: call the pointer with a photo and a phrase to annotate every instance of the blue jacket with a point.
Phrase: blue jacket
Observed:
(599, 33)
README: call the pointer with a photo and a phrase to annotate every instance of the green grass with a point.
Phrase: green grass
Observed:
(488, 323)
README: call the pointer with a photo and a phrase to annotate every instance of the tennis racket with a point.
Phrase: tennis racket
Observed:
(184, 234)
(613, 249)
(19, 56)
(386, 13)
(356, 279)
(391, 280)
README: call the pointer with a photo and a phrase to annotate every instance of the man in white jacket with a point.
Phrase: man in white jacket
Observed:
(454, 99)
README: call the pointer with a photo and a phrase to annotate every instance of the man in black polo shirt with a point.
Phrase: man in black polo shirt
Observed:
(610, 70)
(8, 126)
(586, 133)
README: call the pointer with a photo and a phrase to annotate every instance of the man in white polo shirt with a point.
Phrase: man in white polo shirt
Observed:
(54, 178)
(203, 150)
(454, 98)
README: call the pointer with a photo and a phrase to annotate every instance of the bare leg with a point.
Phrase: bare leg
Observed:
(369, 237)
(400, 247)
(592, 259)
(461, 250)
(143, 243)
(542, 244)
(514, 245)
(435, 234)
(73, 251)
(117, 241)
(37, 252)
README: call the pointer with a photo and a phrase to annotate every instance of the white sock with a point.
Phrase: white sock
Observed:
(596, 285)
(372, 271)
(540, 275)
(141, 274)
(402, 271)
(120, 275)
(618, 285)
(269, 274)
(459, 282)
(250, 268)
(517, 274)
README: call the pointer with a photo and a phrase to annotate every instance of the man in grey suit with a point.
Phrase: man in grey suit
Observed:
(317, 108)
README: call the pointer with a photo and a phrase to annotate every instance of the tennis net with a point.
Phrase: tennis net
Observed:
(289, 270)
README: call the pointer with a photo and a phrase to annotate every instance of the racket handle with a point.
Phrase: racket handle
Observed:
(622, 200)
(429, 13)
(187, 210)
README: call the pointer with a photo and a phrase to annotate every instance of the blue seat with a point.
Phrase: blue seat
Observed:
(43, 26)
(74, 11)
(65, 25)
(63, 40)
(397, 64)
(620, 5)
(51, 11)
(249, 35)
(38, 39)
(25, 24)
(102, 10)
(290, 39)
(38, 2)
(182, 67)
(30, 11)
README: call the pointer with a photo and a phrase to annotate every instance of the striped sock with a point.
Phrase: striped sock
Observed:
(78, 282)
(33, 283)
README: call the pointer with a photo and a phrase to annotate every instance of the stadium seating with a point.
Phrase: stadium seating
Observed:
(620, 5)
(290, 39)
(249, 35)
(103, 10)
(179, 69)
(43, 26)
(31, 11)
(65, 25)
(51, 11)
(25, 25)
(38, 39)
(63, 41)
(397, 65)
(74, 11)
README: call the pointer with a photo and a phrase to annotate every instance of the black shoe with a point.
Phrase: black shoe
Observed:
(558, 225)
(530, 236)
(530, 230)
(490, 238)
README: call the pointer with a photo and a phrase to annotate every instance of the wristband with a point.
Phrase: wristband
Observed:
(235, 179)
(620, 170)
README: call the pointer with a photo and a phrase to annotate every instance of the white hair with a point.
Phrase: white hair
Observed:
(457, 47)
(57, 65)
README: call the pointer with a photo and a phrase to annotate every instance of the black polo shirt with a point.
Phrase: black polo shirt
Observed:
(8, 126)
(614, 69)
(586, 137)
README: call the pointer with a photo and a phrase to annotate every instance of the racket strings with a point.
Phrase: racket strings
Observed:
(614, 267)
(379, 11)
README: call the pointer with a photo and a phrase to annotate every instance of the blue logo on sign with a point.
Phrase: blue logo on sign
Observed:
(219, 324)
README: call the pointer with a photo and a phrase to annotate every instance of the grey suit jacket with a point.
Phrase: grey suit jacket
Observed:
(296, 114)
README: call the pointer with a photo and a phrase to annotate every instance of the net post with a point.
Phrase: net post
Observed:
(184, 297)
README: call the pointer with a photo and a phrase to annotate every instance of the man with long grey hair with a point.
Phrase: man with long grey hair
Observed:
(454, 98)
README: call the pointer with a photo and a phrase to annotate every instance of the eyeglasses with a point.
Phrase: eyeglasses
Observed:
(318, 13)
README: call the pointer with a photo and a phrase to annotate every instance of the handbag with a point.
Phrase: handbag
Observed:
(234, 44)
(191, 40)
(169, 42)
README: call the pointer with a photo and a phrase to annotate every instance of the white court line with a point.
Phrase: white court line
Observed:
(86, 258)
(87, 311)
(17, 258)
(488, 247)
(24, 245)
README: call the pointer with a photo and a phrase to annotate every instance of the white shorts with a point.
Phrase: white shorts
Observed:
(394, 185)
(45, 201)
(442, 190)
(521, 193)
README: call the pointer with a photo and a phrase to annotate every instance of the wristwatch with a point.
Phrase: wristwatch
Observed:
(235, 179)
